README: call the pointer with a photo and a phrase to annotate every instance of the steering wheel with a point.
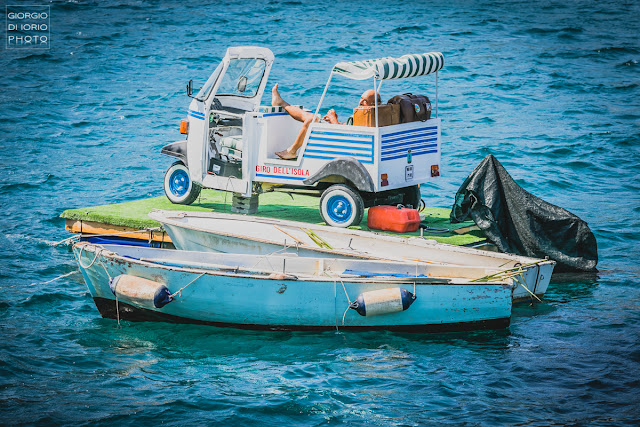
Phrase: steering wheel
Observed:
(216, 104)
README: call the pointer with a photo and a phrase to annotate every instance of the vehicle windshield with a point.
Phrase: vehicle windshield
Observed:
(242, 78)
(204, 91)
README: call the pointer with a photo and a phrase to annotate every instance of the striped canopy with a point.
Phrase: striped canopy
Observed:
(392, 68)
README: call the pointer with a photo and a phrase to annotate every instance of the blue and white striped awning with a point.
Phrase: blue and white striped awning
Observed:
(392, 68)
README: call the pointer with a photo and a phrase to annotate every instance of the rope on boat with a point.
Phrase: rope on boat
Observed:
(183, 288)
(506, 274)
(98, 252)
(68, 240)
(525, 287)
(57, 278)
(294, 239)
(317, 239)
(284, 249)
(114, 289)
(335, 305)
(513, 273)
(335, 278)
(92, 261)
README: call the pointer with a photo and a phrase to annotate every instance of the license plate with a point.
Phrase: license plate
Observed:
(408, 173)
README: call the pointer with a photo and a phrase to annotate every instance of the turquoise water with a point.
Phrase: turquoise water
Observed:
(551, 89)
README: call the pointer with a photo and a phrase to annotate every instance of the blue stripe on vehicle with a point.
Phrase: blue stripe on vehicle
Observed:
(275, 114)
(299, 178)
(349, 135)
(416, 135)
(414, 146)
(409, 141)
(404, 149)
(414, 154)
(413, 151)
(410, 130)
(367, 149)
(197, 117)
(338, 152)
(196, 114)
(418, 143)
(346, 141)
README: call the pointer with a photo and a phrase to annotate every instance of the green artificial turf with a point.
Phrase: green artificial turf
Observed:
(294, 207)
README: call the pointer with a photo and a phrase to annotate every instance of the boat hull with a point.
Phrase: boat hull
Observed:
(247, 301)
(128, 312)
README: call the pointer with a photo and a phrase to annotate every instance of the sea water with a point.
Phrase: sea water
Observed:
(551, 88)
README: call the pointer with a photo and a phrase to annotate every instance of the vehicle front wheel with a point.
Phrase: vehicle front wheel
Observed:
(178, 185)
(341, 206)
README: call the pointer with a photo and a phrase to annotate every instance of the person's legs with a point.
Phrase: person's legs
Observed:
(290, 153)
(298, 114)
(295, 112)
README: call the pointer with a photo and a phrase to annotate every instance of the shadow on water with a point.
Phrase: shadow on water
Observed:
(194, 342)
(570, 286)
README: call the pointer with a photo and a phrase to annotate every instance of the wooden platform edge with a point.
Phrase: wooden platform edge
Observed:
(98, 228)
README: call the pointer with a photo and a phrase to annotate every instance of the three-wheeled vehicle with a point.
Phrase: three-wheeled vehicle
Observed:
(232, 140)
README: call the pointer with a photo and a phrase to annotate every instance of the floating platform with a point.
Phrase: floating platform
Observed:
(130, 219)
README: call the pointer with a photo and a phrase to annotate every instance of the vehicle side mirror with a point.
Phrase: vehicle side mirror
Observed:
(190, 88)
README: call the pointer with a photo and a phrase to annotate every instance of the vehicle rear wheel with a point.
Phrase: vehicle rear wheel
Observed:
(341, 206)
(411, 196)
(178, 185)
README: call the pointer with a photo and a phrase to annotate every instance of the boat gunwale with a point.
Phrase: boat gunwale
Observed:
(105, 253)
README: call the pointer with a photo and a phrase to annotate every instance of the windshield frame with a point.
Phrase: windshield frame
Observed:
(244, 74)
(205, 90)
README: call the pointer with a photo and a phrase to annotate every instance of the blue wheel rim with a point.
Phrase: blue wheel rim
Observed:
(179, 183)
(339, 209)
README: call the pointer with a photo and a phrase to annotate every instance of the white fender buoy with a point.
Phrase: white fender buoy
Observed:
(383, 301)
(139, 291)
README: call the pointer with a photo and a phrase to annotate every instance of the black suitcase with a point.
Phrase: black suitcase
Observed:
(413, 108)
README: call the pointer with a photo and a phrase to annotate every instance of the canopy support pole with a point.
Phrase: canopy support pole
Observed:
(436, 94)
(323, 94)
(375, 97)
(376, 92)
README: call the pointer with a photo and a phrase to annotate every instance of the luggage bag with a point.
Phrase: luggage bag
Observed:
(413, 108)
(366, 116)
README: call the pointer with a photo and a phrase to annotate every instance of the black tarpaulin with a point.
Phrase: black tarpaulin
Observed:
(518, 222)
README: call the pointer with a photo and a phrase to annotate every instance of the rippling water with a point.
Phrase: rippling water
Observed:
(550, 88)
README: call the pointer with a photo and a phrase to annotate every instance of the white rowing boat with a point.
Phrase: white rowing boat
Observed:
(289, 292)
(230, 233)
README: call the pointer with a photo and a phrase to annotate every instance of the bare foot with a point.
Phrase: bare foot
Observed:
(286, 155)
(276, 99)
(331, 117)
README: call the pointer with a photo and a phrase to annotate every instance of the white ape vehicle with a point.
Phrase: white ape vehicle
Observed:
(232, 140)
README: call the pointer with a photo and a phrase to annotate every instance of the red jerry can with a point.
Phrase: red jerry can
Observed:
(393, 218)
